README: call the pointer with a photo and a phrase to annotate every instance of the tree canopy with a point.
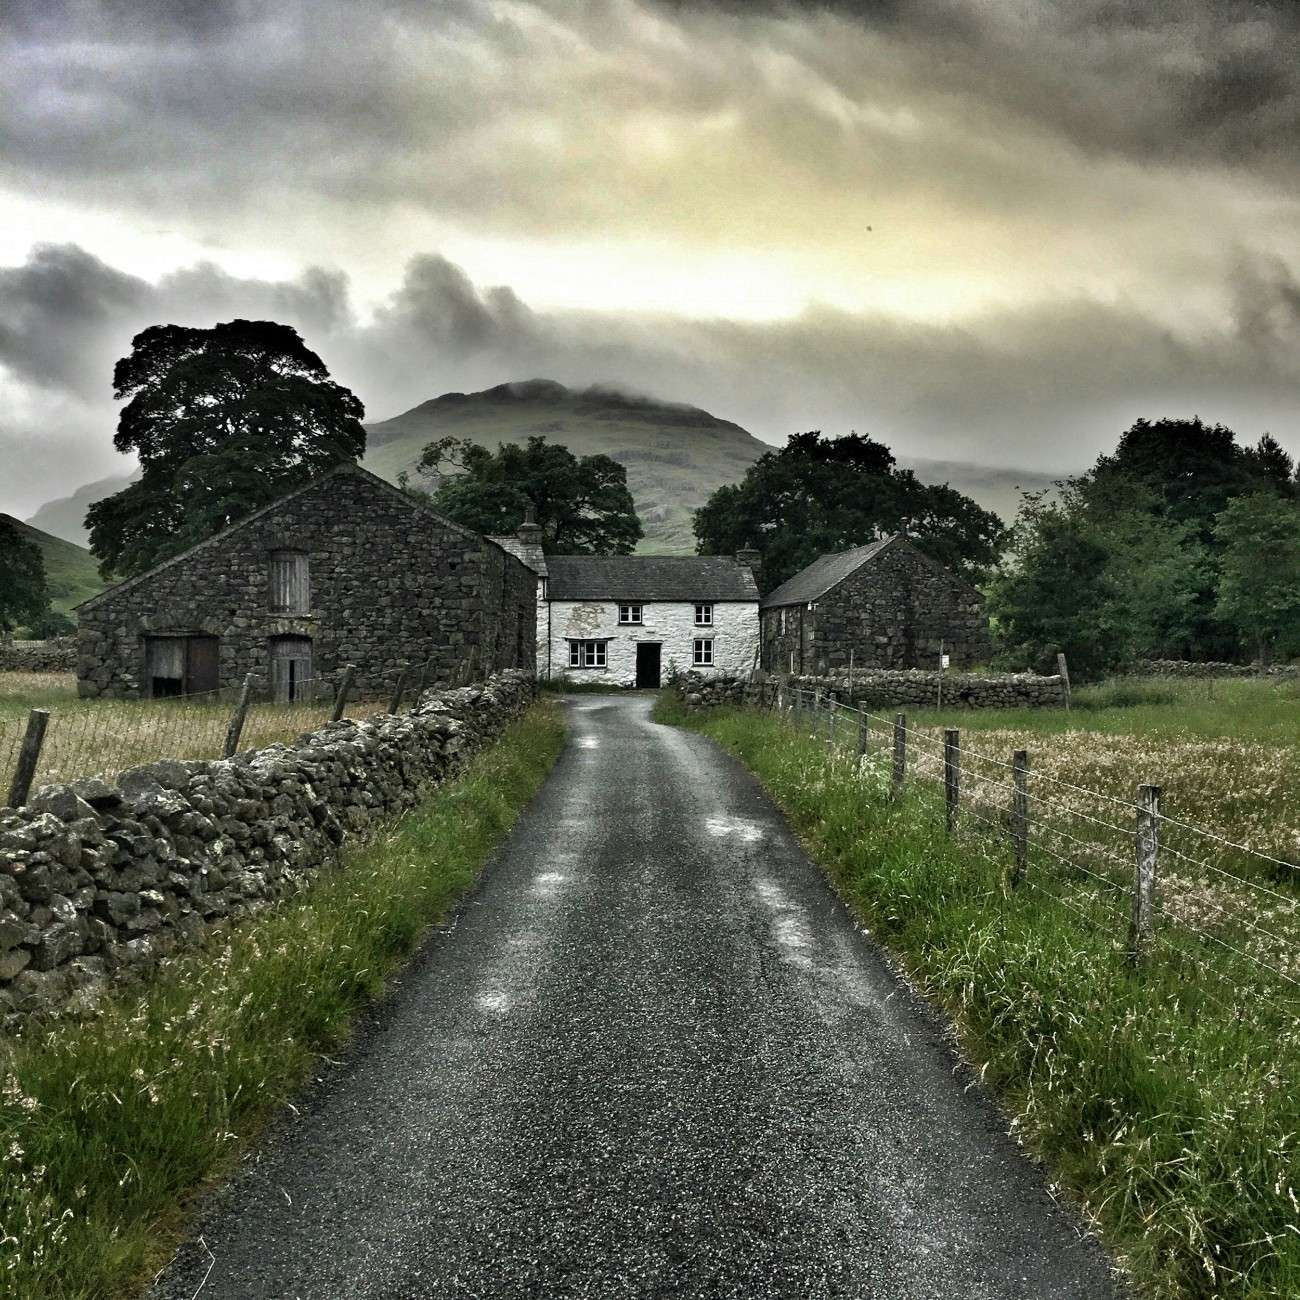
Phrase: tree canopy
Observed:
(223, 420)
(1259, 584)
(817, 495)
(1149, 553)
(582, 504)
(23, 594)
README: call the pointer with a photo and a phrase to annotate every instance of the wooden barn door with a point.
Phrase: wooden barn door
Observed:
(181, 665)
(291, 675)
(202, 664)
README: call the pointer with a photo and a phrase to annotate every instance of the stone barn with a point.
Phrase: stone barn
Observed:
(886, 604)
(345, 570)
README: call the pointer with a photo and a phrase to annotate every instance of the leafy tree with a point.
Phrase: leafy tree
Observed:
(1259, 585)
(582, 504)
(223, 420)
(23, 594)
(816, 495)
(51, 623)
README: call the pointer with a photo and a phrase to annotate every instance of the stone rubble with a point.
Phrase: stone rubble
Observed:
(100, 879)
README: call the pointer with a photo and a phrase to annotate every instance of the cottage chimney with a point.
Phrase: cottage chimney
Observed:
(747, 555)
(530, 531)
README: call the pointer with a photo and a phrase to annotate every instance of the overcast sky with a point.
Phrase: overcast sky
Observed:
(991, 230)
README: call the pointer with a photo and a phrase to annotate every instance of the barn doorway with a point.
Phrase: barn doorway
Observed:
(181, 665)
(291, 673)
(647, 664)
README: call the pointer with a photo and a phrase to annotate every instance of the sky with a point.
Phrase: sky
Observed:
(986, 230)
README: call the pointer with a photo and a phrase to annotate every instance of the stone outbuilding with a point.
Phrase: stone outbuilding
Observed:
(346, 570)
(886, 604)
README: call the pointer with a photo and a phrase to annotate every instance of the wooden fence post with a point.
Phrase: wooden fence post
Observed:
(236, 728)
(830, 720)
(28, 757)
(900, 752)
(396, 702)
(1144, 880)
(951, 777)
(341, 699)
(863, 734)
(1064, 670)
(1020, 815)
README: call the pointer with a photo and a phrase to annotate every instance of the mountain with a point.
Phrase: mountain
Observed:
(675, 456)
(70, 572)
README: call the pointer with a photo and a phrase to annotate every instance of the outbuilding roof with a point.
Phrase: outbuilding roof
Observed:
(640, 578)
(823, 573)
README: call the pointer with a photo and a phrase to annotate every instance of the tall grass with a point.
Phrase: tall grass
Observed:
(107, 1125)
(1171, 1117)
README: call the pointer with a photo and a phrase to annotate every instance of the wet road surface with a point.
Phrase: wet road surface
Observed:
(653, 1058)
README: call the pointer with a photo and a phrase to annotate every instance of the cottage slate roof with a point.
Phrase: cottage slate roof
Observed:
(640, 578)
(527, 553)
(823, 573)
(348, 467)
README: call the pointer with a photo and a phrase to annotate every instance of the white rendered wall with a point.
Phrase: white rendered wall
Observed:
(734, 632)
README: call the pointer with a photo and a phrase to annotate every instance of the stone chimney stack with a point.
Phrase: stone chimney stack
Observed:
(530, 531)
(747, 555)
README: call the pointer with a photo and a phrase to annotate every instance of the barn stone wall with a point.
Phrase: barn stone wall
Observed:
(99, 879)
(896, 611)
(387, 582)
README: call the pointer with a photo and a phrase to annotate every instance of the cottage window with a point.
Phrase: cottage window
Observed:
(629, 613)
(703, 615)
(289, 587)
(704, 652)
(587, 654)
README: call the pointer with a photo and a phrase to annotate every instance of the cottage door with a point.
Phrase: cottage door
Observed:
(291, 677)
(647, 663)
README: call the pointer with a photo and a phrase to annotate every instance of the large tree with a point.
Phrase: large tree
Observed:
(816, 495)
(223, 420)
(23, 594)
(582, 504)
(1259, 583)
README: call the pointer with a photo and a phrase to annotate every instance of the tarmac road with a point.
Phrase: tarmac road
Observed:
(654, 1057)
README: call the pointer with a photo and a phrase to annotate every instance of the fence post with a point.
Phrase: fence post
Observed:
(951, 777)
(900, 752)
(1064, 670)
(1020, 815)
(1144, 881)
(28, 757)
(830, 720)
(862, 734)
(341, 699)
(236, 728)
(396, 702)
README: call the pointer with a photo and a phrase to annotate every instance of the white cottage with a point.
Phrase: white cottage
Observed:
(631, 620)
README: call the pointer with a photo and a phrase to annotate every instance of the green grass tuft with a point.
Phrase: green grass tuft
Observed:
(109, 1124)
(1172, 1118)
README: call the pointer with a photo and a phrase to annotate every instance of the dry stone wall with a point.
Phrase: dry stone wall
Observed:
(57, 655)
(891, 688)
(97, 878)
(1191, 668)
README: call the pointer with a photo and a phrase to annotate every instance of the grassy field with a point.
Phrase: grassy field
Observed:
(109, 1125)
(104, 737)
(71, 574)
(1166, 1104)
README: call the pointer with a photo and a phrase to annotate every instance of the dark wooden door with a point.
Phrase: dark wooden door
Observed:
(202, 664)
(647, 663)
(291, 677)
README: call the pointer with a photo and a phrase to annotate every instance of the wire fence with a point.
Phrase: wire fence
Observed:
(102, 738)
(1153, 883)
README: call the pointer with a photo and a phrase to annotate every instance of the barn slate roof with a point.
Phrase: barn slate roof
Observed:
(823, 573)
(641, 578)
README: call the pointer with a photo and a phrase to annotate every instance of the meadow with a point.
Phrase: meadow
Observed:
(1159, 1093)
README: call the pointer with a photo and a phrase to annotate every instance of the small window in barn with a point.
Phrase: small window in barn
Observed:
(289, 588)
(703, 615)
(703, 652)
(629, 613)
(587, 654)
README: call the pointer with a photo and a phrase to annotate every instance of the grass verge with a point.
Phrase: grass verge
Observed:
(108, 1124)
(1172, 1118)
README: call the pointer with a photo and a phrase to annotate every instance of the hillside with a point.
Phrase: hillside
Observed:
(675, 456)
(70, 571)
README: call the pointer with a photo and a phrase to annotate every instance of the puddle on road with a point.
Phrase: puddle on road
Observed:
(788, 926)
(588, 742)
(748, 832)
